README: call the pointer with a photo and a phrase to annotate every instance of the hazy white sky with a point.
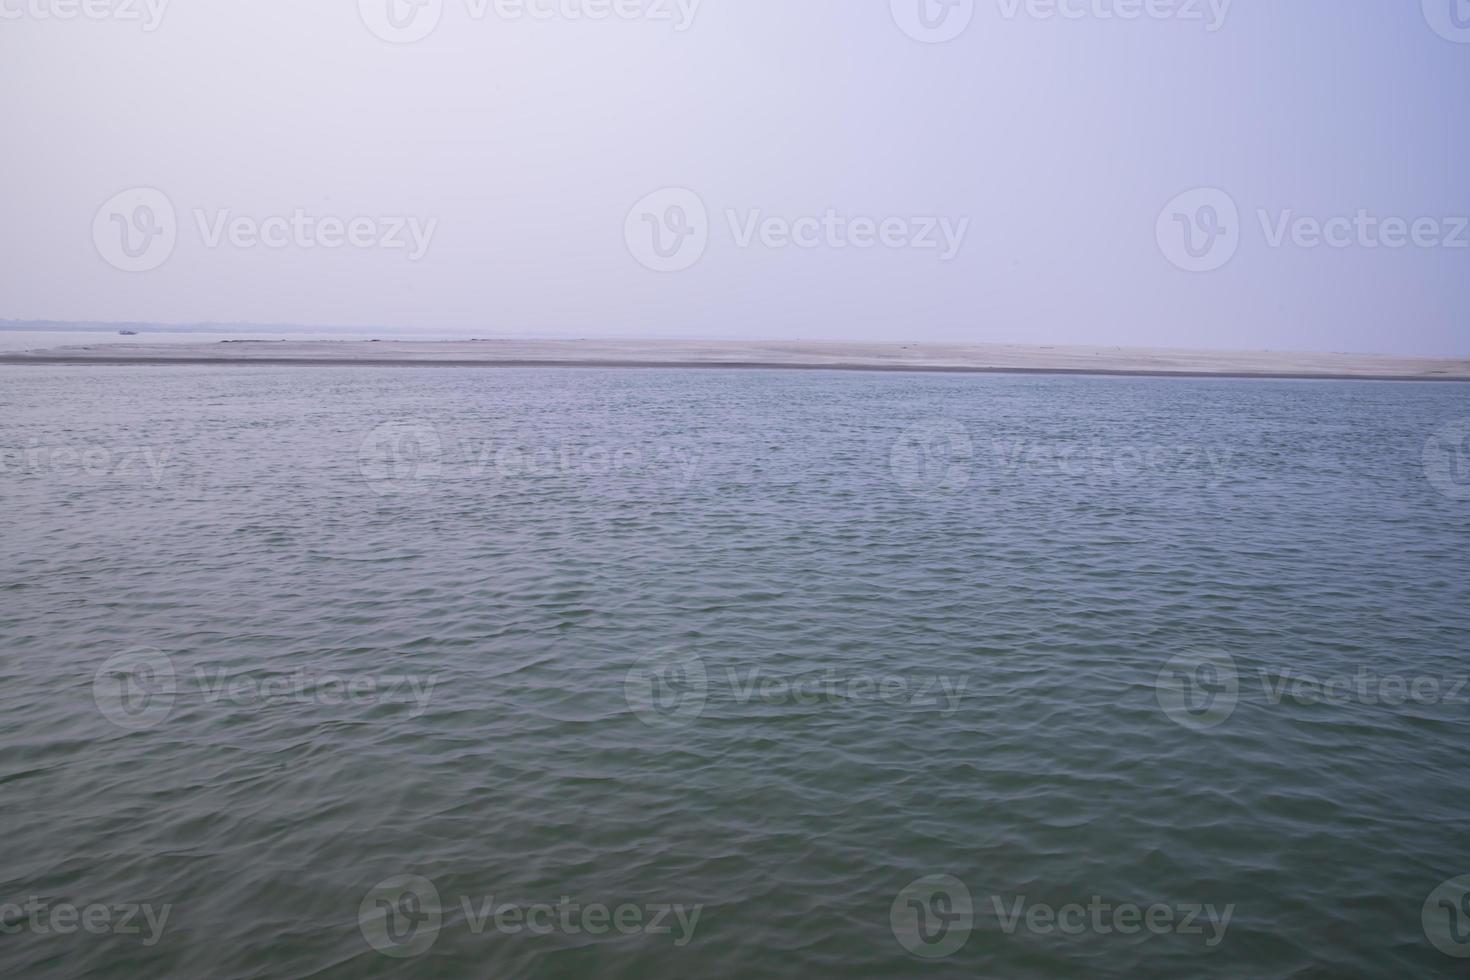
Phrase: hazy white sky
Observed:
(748, 168)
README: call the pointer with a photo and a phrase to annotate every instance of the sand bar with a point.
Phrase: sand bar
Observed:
(810, 355)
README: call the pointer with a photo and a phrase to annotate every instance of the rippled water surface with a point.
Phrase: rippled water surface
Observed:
(341, 673)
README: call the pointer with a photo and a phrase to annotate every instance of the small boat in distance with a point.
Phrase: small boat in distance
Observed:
(128, 333)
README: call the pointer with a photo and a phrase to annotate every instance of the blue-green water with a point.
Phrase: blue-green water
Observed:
(416, 672)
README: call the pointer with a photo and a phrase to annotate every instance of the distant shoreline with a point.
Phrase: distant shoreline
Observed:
(749, 355)
(10, 360)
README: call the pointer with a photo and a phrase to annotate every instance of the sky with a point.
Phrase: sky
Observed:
(1184, 173)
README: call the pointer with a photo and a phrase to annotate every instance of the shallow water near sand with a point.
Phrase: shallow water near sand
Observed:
(353, 672)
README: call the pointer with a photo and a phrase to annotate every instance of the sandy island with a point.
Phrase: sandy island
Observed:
(809, 355)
